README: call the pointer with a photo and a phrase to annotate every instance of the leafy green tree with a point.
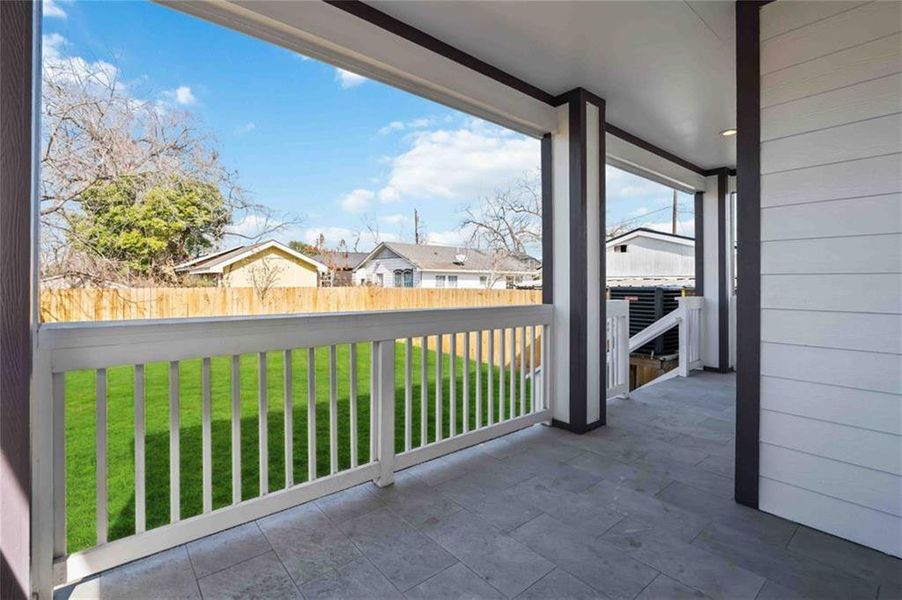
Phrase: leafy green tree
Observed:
(147, 226)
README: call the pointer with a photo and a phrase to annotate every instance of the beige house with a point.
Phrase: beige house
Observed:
(263, 265)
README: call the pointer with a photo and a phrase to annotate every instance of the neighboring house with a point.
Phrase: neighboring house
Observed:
(341, 267)
(262, 265)
(393, 264)
(648, 257)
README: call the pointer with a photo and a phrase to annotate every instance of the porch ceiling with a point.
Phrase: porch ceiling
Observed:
(666, 69)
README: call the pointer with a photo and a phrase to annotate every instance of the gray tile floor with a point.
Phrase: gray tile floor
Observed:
(641, 508)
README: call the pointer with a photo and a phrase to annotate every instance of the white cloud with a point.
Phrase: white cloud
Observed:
(393, 126)
(250, 226)
(75, 69)
(246, 128)
(459, 164)
(421, 123)
(396, 219)
(348, 79)
(357, 201)
(182, 95)
(52, 9)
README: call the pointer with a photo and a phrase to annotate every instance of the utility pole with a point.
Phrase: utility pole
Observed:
(416, 227)
(674, 212)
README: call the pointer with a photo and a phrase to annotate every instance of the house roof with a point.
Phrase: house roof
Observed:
(340, 260)
(650, 233)
(428, 257)
(216, 261)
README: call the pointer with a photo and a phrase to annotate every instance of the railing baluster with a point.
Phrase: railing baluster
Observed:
(174, 432)
(479, 380)
(206, 436)
(424, 394)
(333, 410)
(512, 337)
(546, 367)
(438, 387)
(501, 375)
(466, 383)
(140, 493)
(532, 369)
(352, 391)
(491, 377)
(311, 414)
(262, 424)
(522, 371)
(374, 399)
(236, 429)
(101, 450)
(58, 382)
(288, 418)
(408, 394)
(452, 388)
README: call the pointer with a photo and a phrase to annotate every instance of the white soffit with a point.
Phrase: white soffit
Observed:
(666, 69)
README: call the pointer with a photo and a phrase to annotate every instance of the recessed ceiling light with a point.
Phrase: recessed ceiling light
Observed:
(728, 132)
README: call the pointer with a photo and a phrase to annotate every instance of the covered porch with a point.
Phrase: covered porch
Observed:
(641, 508)
(498, 452)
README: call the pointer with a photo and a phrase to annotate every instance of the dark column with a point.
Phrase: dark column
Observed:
(748, 318)
(15, 295)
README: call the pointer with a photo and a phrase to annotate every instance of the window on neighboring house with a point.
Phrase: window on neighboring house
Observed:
(408, 278)
(483, 281)
(510, 282)
(380, 280)
(452, 281)
(399, 274)
(621, 248)
(439, 281)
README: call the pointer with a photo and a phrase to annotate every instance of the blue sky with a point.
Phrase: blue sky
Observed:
(340, 154)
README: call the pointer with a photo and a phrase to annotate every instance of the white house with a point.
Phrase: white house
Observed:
(646, 254)
(393, 264)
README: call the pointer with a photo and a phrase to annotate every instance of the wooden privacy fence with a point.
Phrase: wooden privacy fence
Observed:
(114, 304)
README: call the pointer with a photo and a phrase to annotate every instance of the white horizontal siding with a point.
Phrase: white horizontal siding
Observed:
(839, 517)
(779, 17)
(838, 32)
(879, 293)
(864, 139)
(831, 264)
(858, 254)
(877, 58)
(873, 489)
(867, 449)
(855, 331)
(877, 411)
(868, 100)
(874, 176)
(847, 368)
(872, 215)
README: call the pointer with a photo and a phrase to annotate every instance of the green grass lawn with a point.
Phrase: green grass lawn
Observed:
(80, 430)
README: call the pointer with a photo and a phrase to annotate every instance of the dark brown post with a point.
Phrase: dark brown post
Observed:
(15, 295)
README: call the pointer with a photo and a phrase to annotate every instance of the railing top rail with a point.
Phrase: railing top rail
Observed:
(97, 345)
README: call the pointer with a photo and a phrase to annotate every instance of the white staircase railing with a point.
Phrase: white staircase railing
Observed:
(618, 350)
(688, 317)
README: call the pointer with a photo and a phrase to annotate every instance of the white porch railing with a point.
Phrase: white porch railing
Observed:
(688, 317)
(474, 412)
